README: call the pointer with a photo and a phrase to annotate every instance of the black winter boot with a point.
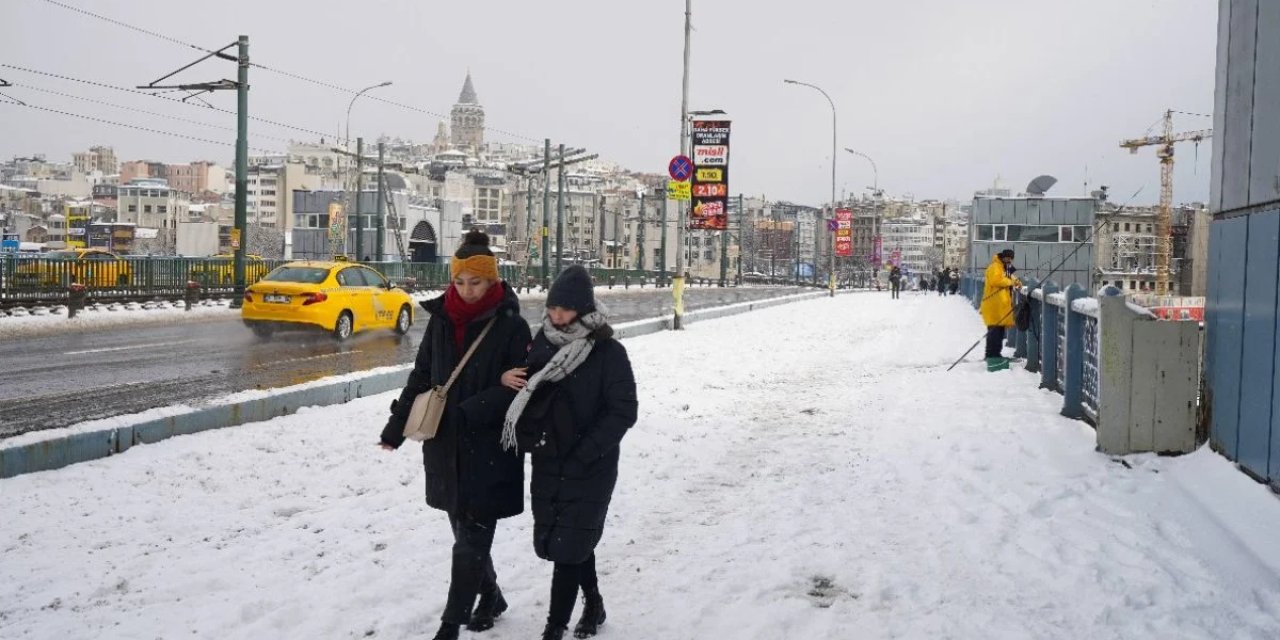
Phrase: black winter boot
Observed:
(488, 610)
(448, 631)
(553, 632)
(592, 616)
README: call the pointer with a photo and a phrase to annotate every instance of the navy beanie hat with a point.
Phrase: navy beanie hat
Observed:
(573, 290)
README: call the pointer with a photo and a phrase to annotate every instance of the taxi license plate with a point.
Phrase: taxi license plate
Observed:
(277, 299)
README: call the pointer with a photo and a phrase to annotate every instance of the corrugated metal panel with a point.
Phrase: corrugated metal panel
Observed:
(1227, 299)
(1239, 108)
(1219, 106)
(1257, 366)
(1264, 165)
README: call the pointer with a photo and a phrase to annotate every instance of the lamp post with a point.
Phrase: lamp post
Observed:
(346, 136)
(832, 276)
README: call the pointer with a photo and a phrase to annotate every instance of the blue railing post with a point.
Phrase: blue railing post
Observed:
(1049, 339)
(1073, 374)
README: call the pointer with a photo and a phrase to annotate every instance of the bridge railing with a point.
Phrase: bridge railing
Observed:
(1117, 366)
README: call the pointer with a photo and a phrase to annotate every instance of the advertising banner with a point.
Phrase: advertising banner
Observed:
(709, 206)
(844, 233)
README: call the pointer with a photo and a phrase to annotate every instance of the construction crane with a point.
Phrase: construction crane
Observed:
(1164, 220)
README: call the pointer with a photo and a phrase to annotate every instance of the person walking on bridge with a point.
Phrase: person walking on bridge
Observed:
(468, 475)
(997, 306)
(577, 399)
(895, 281)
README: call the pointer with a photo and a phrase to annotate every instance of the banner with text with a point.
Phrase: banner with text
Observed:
(844, 233)
(709, 207)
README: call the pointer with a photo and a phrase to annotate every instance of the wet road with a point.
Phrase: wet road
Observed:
(58, 380)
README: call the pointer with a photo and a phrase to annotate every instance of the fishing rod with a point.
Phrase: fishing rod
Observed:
(1079, 245)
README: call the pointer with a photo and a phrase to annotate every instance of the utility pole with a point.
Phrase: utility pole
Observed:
(640, 236)
(678, 284)
(380, 225)
(359, 189)
(528, 226)
(560, 214)
(546, 210)
(241, 86)
(724, 250)
(617, 222)
(662, 245)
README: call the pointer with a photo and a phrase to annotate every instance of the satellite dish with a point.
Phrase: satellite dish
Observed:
(1040, 185)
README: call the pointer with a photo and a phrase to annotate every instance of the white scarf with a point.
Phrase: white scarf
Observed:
(575, 343)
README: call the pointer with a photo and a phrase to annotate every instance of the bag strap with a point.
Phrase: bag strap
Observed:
(458, 369)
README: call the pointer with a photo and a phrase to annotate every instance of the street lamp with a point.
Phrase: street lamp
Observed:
(347, 134)
(833, 180)
(875, 191)
(874, 171)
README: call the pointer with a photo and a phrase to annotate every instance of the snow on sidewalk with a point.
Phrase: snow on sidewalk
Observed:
(807, 471)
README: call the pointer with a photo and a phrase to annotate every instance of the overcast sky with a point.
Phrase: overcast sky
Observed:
(946, 95)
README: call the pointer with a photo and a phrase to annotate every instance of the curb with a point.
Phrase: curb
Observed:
(60, 452)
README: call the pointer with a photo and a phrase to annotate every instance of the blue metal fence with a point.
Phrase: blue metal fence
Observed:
(1066, 341)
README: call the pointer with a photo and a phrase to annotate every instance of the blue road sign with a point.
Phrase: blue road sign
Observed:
(680, 169)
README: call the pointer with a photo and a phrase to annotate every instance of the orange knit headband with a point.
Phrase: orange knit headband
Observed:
(484, 266)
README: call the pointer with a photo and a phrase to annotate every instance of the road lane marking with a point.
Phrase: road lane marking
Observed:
(132, 346)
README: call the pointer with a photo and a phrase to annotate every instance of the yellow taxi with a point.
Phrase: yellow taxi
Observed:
(221, 269)
(90, 267)
(340, 297)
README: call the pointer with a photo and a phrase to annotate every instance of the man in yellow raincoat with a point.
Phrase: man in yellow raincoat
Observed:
(997, 306)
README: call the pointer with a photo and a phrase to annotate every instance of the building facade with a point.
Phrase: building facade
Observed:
(1051, 237)
(100, 159)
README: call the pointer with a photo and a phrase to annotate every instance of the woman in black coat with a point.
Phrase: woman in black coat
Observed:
(468, 474)
(577, 403)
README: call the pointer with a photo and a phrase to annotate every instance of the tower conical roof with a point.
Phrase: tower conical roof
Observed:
(468, 95)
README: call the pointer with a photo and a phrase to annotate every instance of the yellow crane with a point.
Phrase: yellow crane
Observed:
(1164, 220)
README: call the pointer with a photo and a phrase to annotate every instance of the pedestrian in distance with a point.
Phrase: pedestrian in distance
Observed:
(468, 475)
(997, 306)
(576, 400)
(955, 281)
(943, 281)
(895, 281)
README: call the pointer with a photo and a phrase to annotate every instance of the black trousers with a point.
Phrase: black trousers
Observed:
(472, 570)
(995, 342)
(564, 588)
(896, 289)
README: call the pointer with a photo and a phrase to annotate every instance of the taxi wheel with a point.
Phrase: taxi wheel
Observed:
(263, 331)
(403, 320)
(343, 327)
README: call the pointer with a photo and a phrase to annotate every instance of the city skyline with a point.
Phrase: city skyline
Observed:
(956, 102)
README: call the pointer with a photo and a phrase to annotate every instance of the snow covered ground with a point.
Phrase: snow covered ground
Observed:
(52, 320)
(807, 471)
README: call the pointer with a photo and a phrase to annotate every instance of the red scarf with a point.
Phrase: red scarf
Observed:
(462, 313)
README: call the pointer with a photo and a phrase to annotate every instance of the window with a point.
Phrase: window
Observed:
(1031, 233)
(162, 209)
(373, 278)
(350, 278)
(1126, 227)
(983, 232)
(133, 208)
(1000, 232)
(1066, 234)
(146, 208)
(1148, 228)
(1084, 233)
(1133, 284)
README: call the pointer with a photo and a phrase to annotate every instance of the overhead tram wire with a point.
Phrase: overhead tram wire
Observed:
(171, 134)
(151, 94)
(287, 74)
(149, 113)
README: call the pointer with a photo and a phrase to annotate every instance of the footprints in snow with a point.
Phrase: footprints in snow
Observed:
(824, 592)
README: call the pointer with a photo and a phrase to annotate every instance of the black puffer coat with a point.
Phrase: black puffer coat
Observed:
(571, 491)
(467, 470)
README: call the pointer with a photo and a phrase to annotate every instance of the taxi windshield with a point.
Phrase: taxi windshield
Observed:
(305, 275)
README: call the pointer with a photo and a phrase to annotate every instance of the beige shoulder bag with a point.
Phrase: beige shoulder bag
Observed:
(428, 407)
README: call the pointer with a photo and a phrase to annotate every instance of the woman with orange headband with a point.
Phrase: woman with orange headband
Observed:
(469, 476)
